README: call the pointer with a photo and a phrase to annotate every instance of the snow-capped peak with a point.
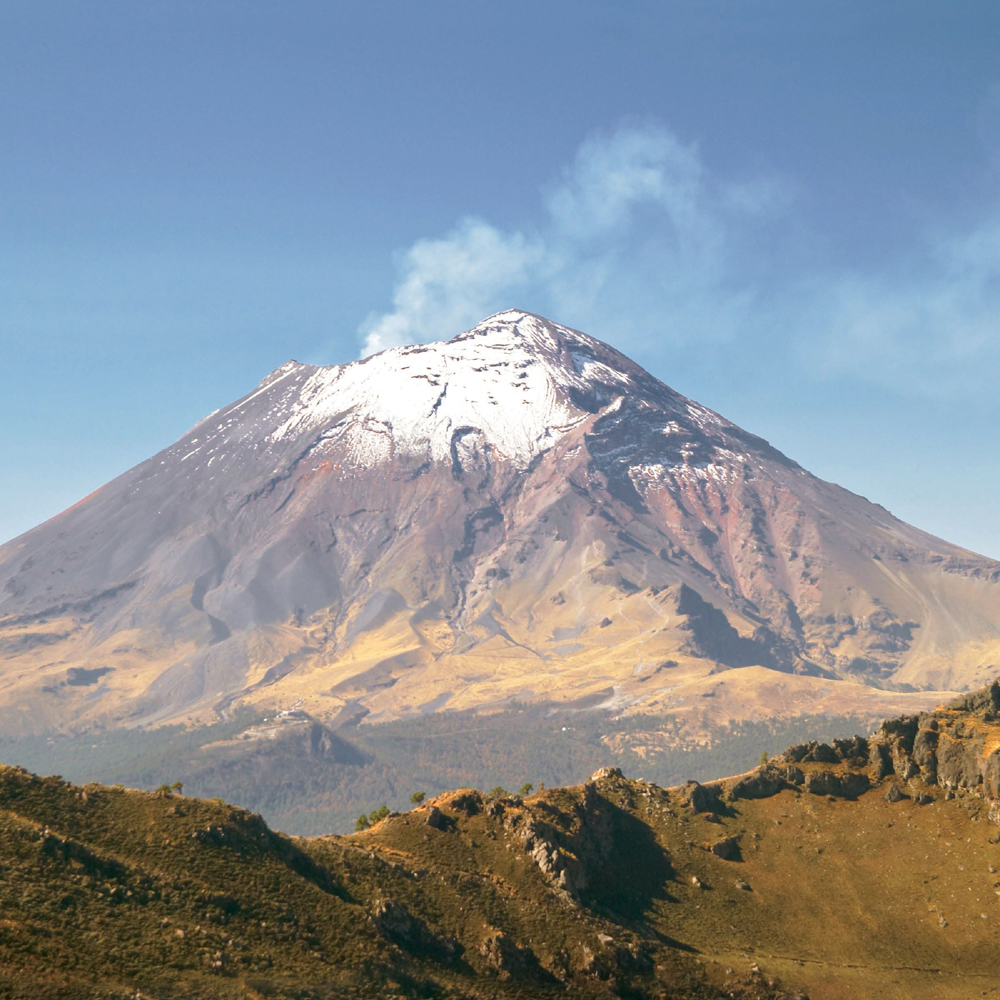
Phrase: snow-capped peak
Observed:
(525, 330)
(512, 379)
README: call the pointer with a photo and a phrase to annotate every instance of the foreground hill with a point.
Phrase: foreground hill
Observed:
(519, 513)
(866, 867)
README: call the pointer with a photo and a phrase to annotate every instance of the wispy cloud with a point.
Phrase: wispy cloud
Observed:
(450, 282)
(929, 323)
(634, 227)
(638, 239)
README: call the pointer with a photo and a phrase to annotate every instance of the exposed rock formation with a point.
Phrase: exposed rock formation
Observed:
(396, 923)
(612, 888)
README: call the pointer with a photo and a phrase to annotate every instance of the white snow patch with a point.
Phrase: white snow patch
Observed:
(508, 378)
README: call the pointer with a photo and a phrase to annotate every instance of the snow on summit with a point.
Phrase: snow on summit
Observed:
(514, 385)
(512, 378)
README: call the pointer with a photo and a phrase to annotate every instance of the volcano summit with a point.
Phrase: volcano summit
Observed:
(520, 513)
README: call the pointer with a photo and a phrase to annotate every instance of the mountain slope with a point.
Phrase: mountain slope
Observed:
(518, 513)
(860, 868)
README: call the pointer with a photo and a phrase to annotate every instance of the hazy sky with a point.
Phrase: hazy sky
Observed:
(789, 211)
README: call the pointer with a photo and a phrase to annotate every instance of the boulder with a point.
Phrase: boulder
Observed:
(853, 784)
(821, 783)
(606, 772)
(505, 959)
(879, 760)
(701, 798)
(794, 775)
(437, 819)
(812, 751)
(924, 752)
(901, 732)
(958, 762)
(760, 783)
(467, 802)
(728, 849)
(494, 809)
(849, 785)
(853, 750)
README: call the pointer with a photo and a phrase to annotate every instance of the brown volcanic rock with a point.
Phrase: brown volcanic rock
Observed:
(519, 512)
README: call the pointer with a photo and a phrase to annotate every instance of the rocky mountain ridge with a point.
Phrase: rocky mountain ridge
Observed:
(829, 872)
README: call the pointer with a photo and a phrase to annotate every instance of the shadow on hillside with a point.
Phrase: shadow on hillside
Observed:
(626, 869)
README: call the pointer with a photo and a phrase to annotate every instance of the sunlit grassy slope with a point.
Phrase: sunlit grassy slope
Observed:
(866, 868)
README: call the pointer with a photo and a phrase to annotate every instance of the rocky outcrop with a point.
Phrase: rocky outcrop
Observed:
(566, 857)
(848, 785)
(700, 798)
(798, 768)
(879, 761)
(468, 802)
(894, 794)
(761, 783)
(437, 820)
(728, 848)
(395, 923)
(956, 747)
(576, 848)
(985, 702)
(853, 751)
(507, 960)
(952, 747)
(795, 775)
(537, 840)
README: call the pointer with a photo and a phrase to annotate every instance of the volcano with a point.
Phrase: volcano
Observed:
(519, 514)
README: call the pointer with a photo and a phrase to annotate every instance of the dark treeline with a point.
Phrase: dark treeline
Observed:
(310, 795)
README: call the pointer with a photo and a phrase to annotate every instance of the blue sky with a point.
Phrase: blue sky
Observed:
(788, 211)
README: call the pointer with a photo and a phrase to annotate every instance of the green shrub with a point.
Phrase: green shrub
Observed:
(526, 789)
(378, 814)
(361, 823)
(417, 797)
